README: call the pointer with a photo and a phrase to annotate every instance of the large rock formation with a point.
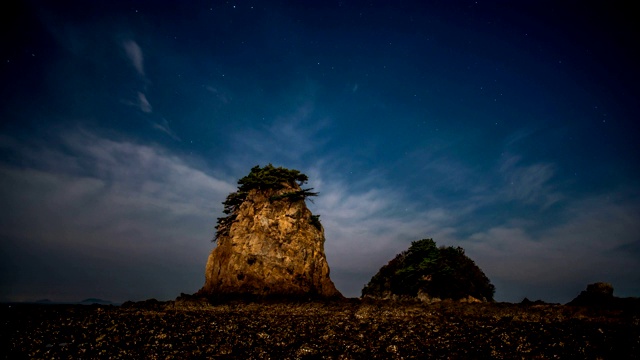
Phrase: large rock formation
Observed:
(427, 273)
(269, 244)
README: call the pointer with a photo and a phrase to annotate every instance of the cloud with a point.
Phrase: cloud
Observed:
(137, 218)
(561, 259)
(134, 53)
(164, 127)
(132, 217)
(529, 184)
(143, 103)
(288, 139)
(538, 250)
(220, 95)
(367, 224)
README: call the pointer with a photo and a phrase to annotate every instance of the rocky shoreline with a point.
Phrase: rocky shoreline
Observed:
(350, 329)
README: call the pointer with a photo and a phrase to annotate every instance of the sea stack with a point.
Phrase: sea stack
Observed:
(269, 244)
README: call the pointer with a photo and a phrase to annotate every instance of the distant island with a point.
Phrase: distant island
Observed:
(87, 301)
(95, 301)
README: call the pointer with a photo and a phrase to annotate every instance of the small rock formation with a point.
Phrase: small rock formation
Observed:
(527, 302)
(269, 244)
(600, 296)
(596, 294)
(429, 274)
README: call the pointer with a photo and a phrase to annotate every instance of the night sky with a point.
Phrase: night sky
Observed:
(509, 128)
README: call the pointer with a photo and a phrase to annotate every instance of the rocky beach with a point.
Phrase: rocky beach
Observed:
(349, 329)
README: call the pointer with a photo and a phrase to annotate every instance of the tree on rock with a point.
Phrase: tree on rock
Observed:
(268, 178)
(426, 270)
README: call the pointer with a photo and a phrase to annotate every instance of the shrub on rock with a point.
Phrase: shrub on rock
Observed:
(425, 271)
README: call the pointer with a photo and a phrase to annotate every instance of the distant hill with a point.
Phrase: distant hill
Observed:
(92, 301)
(88, 301)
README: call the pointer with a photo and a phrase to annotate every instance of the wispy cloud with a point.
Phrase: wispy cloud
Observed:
(134, 53)
(165, 128)
(143, 103)
(288, 138)
(220, 95)
(367, 224)
(141, 212)
(140, 103)
(562, 258)
(529, 184)
(136, 212)
(162, 124)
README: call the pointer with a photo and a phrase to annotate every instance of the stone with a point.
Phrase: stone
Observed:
(470, 300)
(600, 296)
(600, 289)
(273, 246)
(596, 294)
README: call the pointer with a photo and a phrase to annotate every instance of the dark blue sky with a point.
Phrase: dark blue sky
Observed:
(507, 128)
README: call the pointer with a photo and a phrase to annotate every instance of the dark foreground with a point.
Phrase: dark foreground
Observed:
(347, 330)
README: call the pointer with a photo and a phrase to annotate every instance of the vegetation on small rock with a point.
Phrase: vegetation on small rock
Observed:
(425, 269)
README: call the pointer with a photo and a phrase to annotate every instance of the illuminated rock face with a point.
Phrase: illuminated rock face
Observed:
(273, 247)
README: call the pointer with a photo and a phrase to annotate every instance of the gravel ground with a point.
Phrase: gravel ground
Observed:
(341, 330)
